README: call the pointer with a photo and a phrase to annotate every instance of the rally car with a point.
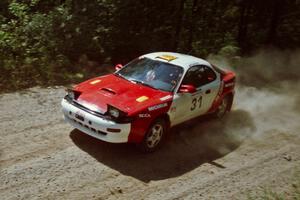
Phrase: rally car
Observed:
(140, 101)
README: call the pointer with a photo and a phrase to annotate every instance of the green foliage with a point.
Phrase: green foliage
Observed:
(28, 47)
(268, 194)
(271, 194)
(42, 42)
(229, 51)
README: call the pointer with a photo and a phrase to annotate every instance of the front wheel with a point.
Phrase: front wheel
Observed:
(154, 136)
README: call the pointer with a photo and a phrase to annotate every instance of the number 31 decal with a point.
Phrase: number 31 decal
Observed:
(196, 102)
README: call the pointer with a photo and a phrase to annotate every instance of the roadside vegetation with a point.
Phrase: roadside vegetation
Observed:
(291, 192)
(57, 42)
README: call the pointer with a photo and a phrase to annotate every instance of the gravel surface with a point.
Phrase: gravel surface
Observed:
(256, 146)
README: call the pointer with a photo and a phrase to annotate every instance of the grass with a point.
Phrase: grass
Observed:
(270, 194)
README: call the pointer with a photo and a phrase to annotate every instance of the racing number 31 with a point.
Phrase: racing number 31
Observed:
(196, 102)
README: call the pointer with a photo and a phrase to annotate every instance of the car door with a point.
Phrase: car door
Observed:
(189, 105)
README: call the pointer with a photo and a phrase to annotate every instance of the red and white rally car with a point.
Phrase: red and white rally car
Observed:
(142, 100)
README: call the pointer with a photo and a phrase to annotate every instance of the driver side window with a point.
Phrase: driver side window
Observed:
(199, 75)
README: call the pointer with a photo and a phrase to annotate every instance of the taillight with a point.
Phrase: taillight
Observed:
(229, 83)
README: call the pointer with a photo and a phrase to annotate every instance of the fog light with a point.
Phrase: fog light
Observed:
(114, 130)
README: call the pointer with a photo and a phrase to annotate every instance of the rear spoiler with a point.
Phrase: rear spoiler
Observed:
(218, 69)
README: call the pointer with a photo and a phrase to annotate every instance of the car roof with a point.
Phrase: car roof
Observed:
(183, 60)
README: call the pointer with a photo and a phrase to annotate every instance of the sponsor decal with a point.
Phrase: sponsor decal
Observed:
(79, 113)
(95, 81)
(167, 57)
(166, 98)
(157, 106)
(229, 84)
(142, 99)
(144, 115)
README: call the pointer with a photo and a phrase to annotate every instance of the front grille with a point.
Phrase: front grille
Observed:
(88, 127)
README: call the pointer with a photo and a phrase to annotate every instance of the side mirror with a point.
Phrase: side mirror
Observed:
(118, 66)
(187, 89)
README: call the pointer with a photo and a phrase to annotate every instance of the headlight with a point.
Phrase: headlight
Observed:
(118, 115)
(72, 94)
(114, 112)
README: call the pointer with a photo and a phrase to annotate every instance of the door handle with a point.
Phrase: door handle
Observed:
(207, 91)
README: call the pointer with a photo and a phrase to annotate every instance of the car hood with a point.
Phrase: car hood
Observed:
(125, 95)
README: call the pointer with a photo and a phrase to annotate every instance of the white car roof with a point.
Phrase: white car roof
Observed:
(183, 60)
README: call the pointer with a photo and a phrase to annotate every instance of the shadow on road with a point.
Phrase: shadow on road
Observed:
(190, 145)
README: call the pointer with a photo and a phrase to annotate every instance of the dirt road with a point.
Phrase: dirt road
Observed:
(42, 157)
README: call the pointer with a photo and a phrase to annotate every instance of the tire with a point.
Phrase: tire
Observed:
(154, 136)
(224, 107)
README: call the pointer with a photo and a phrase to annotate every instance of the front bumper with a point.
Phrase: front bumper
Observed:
(95, 126)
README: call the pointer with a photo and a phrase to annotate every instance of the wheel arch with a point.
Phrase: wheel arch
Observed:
(166, 121)
(165, 117)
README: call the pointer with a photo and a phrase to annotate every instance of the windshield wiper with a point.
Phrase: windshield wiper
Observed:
(142, 83)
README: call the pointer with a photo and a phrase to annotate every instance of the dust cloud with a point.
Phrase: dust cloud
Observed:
(267, 99)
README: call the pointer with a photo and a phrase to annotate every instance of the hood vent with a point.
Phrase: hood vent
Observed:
(108, 90)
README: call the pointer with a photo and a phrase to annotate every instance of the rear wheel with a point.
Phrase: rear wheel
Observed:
(154, 136)
(223, 108)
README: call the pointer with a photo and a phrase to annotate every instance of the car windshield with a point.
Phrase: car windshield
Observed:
(152, 73)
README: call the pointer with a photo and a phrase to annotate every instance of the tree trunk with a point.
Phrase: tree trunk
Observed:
(243, 23)
(192, 25)
(178, 25)
(274, 22)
